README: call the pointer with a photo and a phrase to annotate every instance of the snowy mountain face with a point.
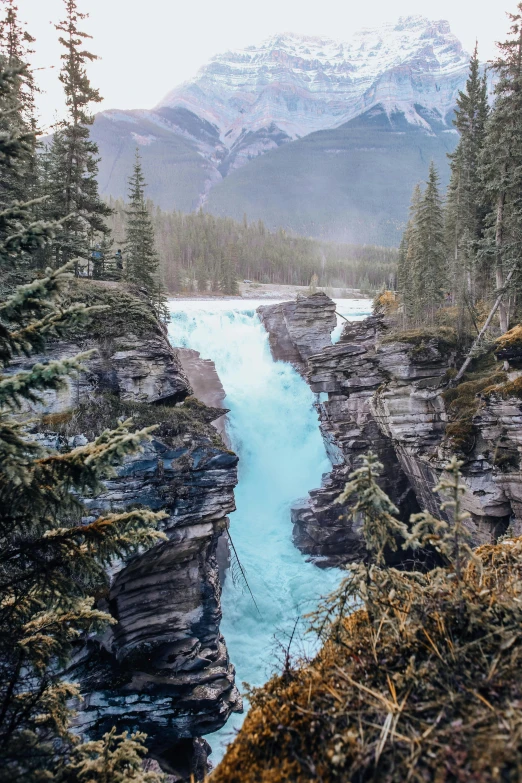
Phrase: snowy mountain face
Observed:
(300, 84)
(322, 137)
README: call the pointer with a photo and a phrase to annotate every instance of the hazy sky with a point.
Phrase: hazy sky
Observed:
(149, 46)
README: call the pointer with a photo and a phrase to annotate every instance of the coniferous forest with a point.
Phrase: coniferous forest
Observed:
(203, 253)
(417, 677)
(461, 250)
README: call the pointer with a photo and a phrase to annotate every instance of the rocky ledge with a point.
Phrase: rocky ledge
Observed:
(164, 668)
(300, 329)
(388, 395)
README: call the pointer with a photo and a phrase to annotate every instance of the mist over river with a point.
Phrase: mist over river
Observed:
(273, 427)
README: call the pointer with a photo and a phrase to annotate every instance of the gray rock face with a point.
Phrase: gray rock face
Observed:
(387, 396)
(164, 667)
(299, 329)
(205, 382)
(350, 374)
(134, 368)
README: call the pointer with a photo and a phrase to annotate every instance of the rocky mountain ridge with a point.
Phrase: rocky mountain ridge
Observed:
(303, 84)
(202, 144)
(387, 395)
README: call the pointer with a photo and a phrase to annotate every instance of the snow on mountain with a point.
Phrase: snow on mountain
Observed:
(303, 84)
(239, 137)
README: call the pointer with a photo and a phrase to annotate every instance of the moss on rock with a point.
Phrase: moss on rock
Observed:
(463, 401)
(511, 339)
(106, 410)
(508, 389)
(444, 338)
(126, 309)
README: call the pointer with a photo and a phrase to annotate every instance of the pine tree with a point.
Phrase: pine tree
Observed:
(52, 559)
(502, 163)
(73, 157)
(429, 268)
(141, 258)
(465, 209)
(408, 260)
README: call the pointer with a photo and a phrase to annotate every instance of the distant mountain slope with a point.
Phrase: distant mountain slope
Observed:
(324, 137)
(351, 184)
(176, 171)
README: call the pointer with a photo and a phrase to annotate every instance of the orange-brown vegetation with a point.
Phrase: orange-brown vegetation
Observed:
(511, 339)
(418, 680)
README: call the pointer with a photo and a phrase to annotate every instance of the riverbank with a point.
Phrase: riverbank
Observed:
(253, 290)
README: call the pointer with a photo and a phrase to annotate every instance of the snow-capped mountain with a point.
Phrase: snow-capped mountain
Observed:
(304, 84)
(319, 136)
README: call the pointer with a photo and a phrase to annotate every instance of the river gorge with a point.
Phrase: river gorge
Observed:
(253, 536)
(273, 428)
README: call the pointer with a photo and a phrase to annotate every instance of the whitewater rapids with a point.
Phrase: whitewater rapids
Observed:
(273, 427)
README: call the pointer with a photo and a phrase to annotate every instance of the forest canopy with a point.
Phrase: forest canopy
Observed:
(200, 252)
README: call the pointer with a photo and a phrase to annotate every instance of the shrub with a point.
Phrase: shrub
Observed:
(418, 678)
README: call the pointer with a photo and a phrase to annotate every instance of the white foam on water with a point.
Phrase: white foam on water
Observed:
(273, 427)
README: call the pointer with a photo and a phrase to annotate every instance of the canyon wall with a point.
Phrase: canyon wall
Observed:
(387, 395)
(164, 667)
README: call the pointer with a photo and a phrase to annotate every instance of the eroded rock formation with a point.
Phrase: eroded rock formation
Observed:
(164, 667)
(387, 395)
(205, 382)
(300, 329)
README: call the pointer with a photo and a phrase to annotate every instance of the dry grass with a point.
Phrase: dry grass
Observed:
(444, 338)
(511, 339)
(386, 303)
(420, 683)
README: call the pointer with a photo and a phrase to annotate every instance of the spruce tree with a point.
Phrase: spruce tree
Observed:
(52, 557)
(502, 163)
(429, 265)
(380, 527)
(73, 157)
(18, 173)
(140, 253)
(201, 276)
(408, 260)
(16, 43)
(465, 207)
(19, 114)
(22, 233)
(228, 277)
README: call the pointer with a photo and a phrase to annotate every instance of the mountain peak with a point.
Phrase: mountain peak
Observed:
(306, 83)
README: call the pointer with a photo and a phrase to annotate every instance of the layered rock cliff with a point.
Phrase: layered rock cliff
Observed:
(389, 394)
(164, 667)
(300, 329)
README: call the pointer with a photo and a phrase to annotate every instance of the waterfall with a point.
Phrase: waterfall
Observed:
(273, 428)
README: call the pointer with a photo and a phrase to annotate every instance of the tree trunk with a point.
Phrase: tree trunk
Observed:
(493, 310)
(499, 272)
